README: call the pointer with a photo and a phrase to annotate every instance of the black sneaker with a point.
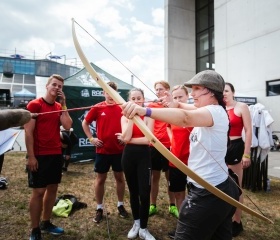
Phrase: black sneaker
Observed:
(123, 213)
(98, 216)
(35, 234)
(48, 227)
(171, 234)
(237, 228)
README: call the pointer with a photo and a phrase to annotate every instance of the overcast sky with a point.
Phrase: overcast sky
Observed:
(133, 30)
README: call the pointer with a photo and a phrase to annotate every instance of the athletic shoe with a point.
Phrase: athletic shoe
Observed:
(48, 227)
(174, 211)
(237, 228)
(122, 212)
(171, 234)
(98, 216)
(133, 232)
(153, 210)
(145, 234)
(35, 234)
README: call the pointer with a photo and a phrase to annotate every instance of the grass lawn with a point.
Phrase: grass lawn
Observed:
(14, 217)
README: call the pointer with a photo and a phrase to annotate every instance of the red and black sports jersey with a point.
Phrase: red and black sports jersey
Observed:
(47, 132)
(108, 123)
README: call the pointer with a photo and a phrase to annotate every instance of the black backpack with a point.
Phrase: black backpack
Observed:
(76, 204)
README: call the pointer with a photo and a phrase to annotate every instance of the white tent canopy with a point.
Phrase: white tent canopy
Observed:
(24, 93)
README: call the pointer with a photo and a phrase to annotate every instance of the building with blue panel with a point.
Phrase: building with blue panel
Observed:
(17, 74)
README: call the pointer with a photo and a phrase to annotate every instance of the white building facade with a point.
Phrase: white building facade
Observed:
(240, 39)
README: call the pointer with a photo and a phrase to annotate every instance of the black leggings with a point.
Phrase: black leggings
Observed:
(1, 161)
(136, 163)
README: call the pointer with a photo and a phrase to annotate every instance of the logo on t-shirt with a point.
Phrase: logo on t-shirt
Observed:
(103, 114)
(194, 137)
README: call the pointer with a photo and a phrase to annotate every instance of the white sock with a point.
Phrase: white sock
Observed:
(120, 203)
(137, 222)
(99, 206)
(142, 229)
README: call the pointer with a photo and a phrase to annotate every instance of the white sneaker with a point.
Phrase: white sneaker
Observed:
(145, 234)
(133, 232)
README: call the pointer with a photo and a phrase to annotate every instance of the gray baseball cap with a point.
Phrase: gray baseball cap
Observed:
(209, 79)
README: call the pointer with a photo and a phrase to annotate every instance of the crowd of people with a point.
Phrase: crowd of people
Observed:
(205, 135)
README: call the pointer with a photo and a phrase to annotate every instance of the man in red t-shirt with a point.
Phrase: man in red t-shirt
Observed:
(44, 163)
(108, 149)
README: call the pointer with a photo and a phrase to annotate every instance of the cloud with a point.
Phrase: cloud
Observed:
(139, 26)
(146, 71)
(124, 4)
(111, 20)
(158, 16)
(145, 33)
(131, 29)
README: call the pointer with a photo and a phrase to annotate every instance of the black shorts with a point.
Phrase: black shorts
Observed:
(235, 151)
(159, 162)
(49, 171)
(177, 180)
(103, 162)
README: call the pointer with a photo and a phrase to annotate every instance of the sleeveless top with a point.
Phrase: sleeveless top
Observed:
(136, 132)
(236, 123)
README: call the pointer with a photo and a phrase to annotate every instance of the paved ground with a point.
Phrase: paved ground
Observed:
(274, 164)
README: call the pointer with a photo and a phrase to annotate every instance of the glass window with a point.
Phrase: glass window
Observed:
(18, 78)
(30, 79)
(212, 40)
(202, 64)
(205, 35)
(273, 88)
(8, 67)
(212, 61)
(202, 44)
(16, 88)
(30, 88)
(202, 19)
(211, 14)
(201, 3)
(5, 86)
(23, 66)
(1, 65)
(7, 79)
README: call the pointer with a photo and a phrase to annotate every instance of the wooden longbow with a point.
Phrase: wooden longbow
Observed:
(156, 143)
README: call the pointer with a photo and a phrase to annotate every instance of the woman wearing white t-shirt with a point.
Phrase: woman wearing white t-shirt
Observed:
(202, 215)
